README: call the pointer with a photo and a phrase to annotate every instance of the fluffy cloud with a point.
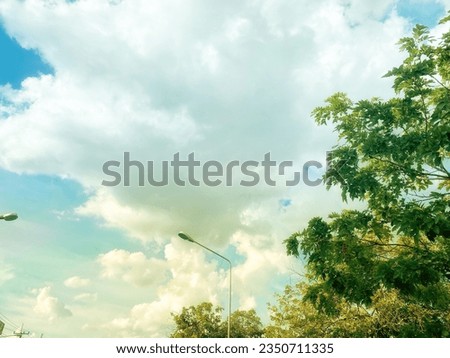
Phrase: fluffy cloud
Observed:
(49, 306)
(226, 80)
(77, 282)
(132, 267)
(136, 222)
(196, 276)
(192, 279)
(248, 73)
(265, 259)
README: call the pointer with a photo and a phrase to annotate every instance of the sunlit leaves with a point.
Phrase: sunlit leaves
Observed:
(205, 321)
(389, 316)
(202, 321)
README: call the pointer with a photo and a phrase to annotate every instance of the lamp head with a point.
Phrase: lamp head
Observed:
(9, 216)
(186, 237)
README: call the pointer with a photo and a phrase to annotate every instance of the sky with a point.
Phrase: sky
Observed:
(83, 82)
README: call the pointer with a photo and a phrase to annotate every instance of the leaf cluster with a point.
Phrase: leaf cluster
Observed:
(205, 321)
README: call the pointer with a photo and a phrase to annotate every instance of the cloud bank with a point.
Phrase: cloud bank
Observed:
(226, 80)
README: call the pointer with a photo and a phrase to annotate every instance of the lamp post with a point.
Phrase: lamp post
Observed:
(9, 216)
(186, 237)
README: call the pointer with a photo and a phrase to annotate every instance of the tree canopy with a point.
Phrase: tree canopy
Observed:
(205, 321)
(387, 265)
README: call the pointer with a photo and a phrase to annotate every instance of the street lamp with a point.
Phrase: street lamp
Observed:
(190, 239)
(9, 216)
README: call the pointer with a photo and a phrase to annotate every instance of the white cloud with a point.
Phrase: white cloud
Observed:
(265, 267)
(362, 10)
(152, 80)
(86, 297)
(142, 224)
(237, 28)
(193, 279)
(49, 306)
(209, 58)
(226, 80)
(77, 282)
(132, 267)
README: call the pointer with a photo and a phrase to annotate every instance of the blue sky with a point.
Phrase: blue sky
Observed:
(81, 84)
(421, 12)
(17, 63)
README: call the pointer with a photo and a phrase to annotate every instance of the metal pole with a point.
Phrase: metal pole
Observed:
(188, 238)
(229, 304)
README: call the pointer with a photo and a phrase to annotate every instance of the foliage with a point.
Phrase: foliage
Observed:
(389, 315)
(245, 324)
(205, 321)
(390, 262)
(202, 321)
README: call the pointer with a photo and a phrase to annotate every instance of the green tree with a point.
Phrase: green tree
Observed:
(202, 321)
(389, 315)
(394, 155)
(205, 321)
(245, 324)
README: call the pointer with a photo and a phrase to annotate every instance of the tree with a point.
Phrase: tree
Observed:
(245, 324)
(394, 155)
(389, 315)
(205, 321)
(202, 321)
